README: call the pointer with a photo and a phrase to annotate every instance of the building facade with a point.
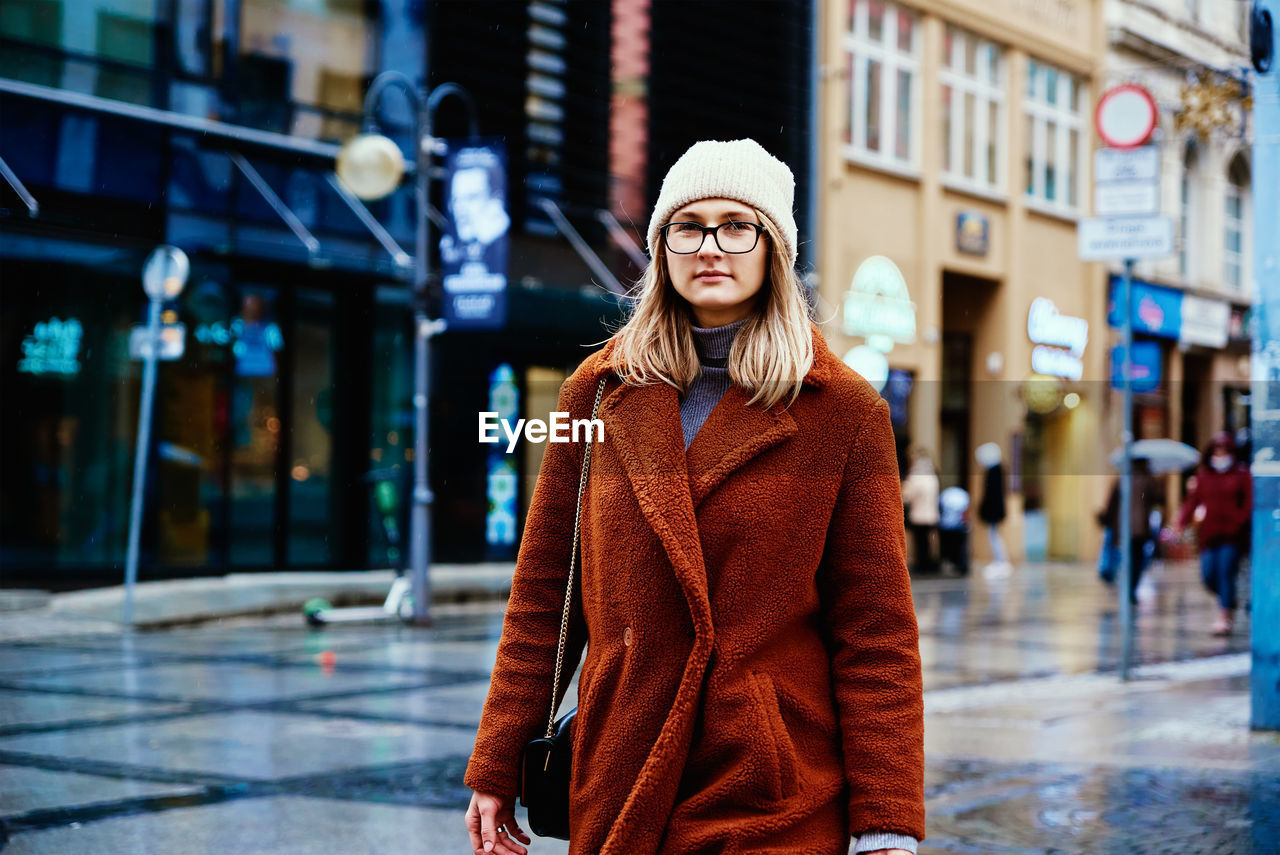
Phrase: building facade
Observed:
(213, 125)
(1192, 309)
(955, 142)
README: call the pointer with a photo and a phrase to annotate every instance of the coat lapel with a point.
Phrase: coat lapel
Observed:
(643, 423)
(731, 437)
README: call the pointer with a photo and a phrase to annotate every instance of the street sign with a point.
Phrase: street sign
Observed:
(173, 338)
(1127, 198)
(1125, 116)
(1135, 164)
(1119, 238)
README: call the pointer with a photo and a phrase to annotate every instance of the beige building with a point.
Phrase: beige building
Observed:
(1185, 53)
(956, 141)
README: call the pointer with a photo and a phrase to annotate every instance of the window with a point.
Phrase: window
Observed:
(544, 110)
(1233, 250)
(882, 43)
(973, 113)
(1054, 103)
(1186, 212)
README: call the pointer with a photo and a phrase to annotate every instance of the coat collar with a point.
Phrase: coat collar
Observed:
(643, 424)
(821, 372)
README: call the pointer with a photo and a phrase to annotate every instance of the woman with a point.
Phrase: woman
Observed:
(920, 495)
(752, 681)
(1221, 504)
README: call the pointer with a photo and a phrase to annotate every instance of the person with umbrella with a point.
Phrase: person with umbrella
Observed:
(1147, 495)
(1220, 503)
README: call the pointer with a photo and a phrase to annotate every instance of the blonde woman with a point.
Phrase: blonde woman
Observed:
(752, 674)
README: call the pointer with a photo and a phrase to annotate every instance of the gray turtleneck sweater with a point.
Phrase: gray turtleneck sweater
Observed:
(712, 344)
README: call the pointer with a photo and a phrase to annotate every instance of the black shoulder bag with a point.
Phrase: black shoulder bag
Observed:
(544, 767)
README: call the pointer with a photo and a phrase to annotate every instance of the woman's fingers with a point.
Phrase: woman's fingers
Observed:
(513, 832)
(473, 824)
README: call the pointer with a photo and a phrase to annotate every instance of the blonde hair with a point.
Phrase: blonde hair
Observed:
(770, 356)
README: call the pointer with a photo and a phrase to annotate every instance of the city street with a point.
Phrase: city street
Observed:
(262, 736)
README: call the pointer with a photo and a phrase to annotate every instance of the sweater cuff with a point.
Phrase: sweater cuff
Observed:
(873, 840)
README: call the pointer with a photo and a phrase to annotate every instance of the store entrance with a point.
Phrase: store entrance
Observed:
(250, 428)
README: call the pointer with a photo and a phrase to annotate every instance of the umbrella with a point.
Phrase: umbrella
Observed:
(1164, 455)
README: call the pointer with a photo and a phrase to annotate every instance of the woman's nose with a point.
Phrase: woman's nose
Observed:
(709, 245)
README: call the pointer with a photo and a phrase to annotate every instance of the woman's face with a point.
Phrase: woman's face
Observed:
(721, 287)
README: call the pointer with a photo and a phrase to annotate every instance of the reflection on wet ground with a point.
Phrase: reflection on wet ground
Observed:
(242, 737)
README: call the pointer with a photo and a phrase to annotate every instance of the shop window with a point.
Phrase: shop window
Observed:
(973, 113)
(1053, 106)
(882, 42)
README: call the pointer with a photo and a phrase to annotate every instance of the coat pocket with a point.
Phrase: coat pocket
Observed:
(775, 739)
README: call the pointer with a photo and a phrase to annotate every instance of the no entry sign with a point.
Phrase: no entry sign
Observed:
(1125, 116)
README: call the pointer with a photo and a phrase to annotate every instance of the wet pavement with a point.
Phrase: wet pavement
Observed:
(263, 736)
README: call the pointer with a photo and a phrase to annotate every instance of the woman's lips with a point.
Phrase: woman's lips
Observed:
(713, 277)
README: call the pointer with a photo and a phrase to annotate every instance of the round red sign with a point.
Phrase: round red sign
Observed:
(1125, 116)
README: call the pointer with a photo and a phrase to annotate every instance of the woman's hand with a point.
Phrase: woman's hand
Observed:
(485, 816)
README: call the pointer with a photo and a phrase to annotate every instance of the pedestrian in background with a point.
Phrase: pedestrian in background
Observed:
(1146, 495)
(991, 508)
(920, 496)
(1220, 504)
(752, 678)
(953, 529)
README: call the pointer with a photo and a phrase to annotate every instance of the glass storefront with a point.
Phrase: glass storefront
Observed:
(282, 65)
(264, 430)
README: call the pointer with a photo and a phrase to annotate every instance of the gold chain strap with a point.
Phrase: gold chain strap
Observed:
(568, 596)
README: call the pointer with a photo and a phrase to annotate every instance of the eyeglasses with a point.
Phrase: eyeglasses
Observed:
(686, 238)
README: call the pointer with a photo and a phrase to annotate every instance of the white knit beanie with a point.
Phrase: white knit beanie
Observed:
(740, 170)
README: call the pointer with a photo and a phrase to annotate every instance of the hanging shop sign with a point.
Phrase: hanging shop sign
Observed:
(1157, 311)
(1060, 340)
(878, 307)
(1205, 322)
(474, 246)
(1144, 367)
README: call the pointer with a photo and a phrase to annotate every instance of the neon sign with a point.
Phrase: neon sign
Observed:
(53, 347)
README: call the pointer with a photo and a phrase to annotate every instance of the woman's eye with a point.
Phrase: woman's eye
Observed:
(688, 227)
(738, 227)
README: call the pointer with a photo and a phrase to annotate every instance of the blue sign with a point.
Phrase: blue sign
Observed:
(1144, 370)
(473, 248)
(1156, 311)
(500, 479)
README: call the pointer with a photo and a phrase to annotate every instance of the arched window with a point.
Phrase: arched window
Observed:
(1235, 217)
(1186, 211)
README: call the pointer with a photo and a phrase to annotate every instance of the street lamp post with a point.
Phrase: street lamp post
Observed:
(163, 278)
(371, 166)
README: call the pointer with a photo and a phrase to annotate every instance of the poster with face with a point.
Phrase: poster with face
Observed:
(474, 246)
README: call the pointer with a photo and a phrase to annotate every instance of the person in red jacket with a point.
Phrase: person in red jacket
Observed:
(1220, 502)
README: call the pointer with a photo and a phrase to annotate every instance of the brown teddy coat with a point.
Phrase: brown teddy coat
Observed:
(752, 681)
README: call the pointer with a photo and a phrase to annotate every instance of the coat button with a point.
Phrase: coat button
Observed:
(626, 637)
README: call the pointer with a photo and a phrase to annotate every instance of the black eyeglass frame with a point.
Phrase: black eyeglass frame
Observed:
(715, 236)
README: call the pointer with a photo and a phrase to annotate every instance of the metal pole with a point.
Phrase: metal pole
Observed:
(1264, 676)
(420, 521)
(424, 327)
(1125, 534)
(140, 457)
